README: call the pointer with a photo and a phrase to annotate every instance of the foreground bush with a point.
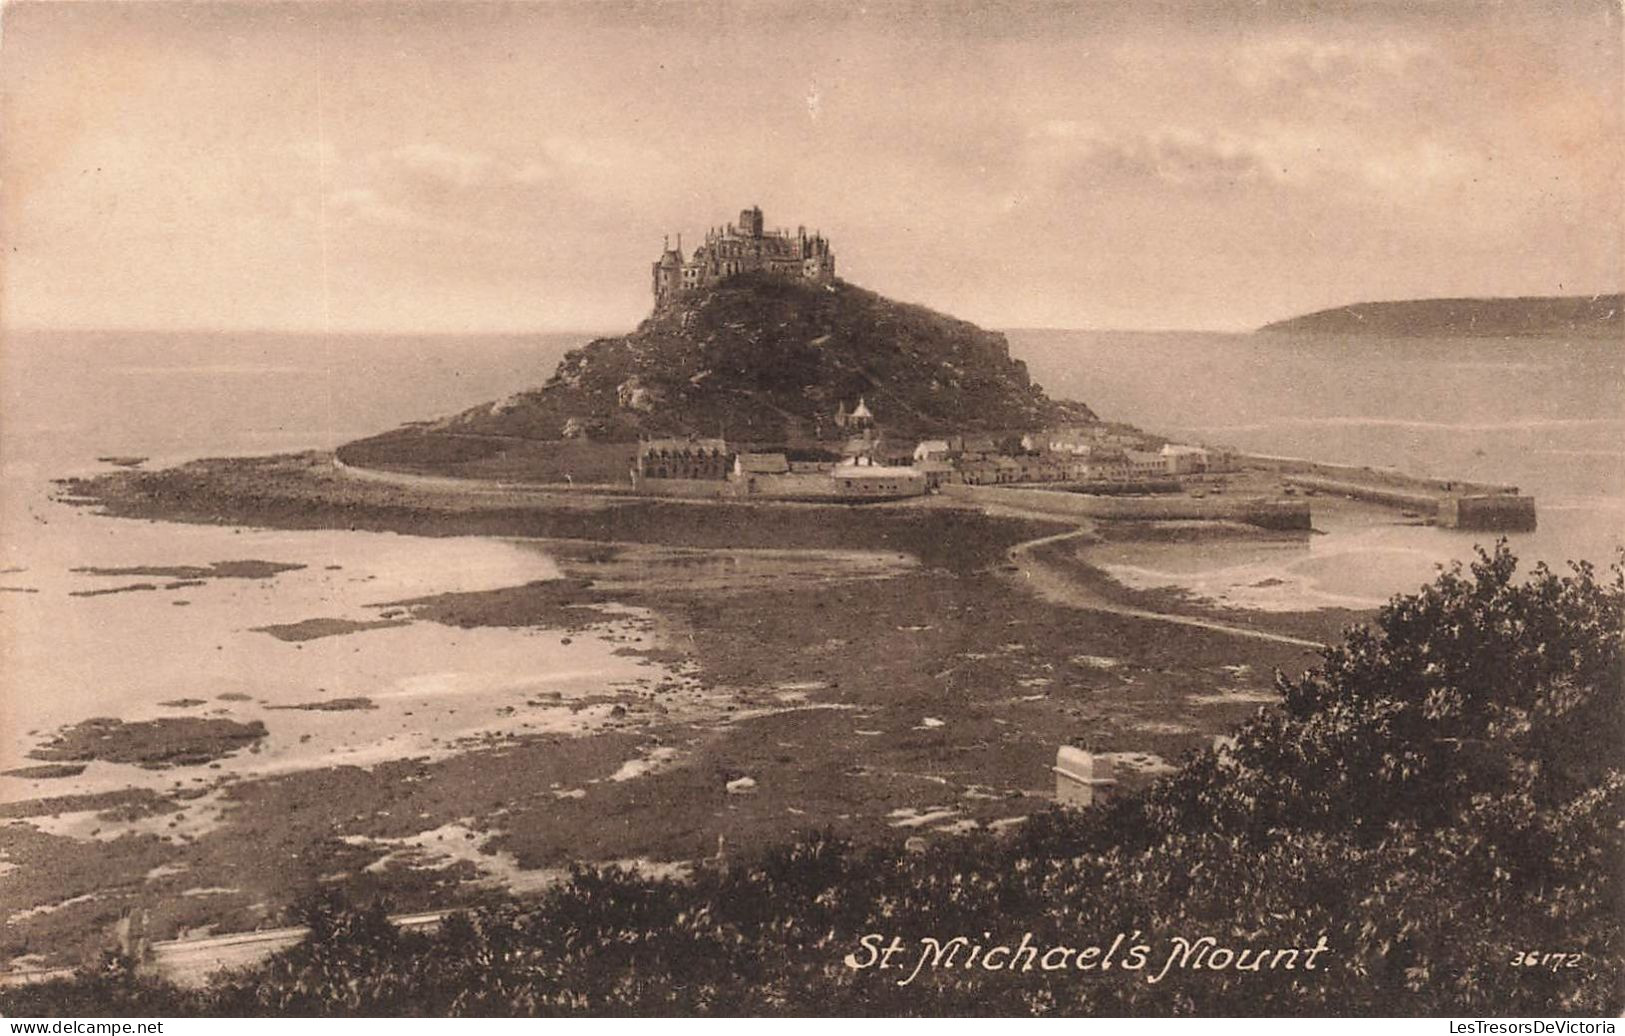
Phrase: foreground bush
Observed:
(1440, 800)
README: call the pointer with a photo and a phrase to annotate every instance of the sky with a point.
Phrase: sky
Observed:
(455, 167)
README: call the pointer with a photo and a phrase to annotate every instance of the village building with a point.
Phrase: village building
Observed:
(747, 247)
(683, 458)
(1099, 465)
(1009, 469)
(1041, 468)
(974, 473)
(1068, 441)
(1083, 438)
(747, 464)
(1185, 460)
(978, 447)
(936, 472)
(859, 480)
(892, 454)
(1144, 464)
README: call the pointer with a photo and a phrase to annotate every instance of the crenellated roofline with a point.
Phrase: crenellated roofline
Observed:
(745, 247)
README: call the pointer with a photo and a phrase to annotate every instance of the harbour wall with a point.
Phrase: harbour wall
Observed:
(1387, 478)
(1267, 514)
(1424, 503)
(1479, 512)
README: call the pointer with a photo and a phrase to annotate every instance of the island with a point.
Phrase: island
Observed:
(848, 542)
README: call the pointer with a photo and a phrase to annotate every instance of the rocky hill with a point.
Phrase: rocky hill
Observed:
(756, 359)
(1584, 316)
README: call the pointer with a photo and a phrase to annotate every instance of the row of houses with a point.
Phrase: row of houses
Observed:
(974, 460)
(979, 463)
(1129, 466)
(708, 468)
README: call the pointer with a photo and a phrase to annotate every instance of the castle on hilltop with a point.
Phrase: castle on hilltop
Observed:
(746, 248)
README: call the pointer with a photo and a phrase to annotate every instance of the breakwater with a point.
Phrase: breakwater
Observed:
(1287, 515)
(1450, 503)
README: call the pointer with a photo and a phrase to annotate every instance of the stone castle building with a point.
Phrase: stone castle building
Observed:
(745, 248)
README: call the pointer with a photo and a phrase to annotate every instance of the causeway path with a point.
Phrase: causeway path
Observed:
(1049, 581)
(1052, 583)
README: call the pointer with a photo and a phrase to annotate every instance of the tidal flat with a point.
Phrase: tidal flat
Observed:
(554, 678)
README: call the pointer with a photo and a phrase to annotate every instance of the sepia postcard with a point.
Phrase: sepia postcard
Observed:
(755, 508)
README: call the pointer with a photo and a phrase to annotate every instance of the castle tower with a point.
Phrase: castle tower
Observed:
(667, 273)
(747, 247)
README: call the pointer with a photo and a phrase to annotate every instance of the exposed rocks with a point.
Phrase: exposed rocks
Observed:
(152, 744)
(45, 771)
(251, 569)
(331, 705)
(313, 629)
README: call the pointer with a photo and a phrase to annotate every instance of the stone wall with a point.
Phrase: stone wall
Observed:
(1267, 514)
(1369, 476)
(687, 488)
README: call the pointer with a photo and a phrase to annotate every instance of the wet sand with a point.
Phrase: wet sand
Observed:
(877, 671)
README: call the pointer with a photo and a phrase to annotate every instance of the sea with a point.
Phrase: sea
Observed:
(107, 618)
(1547, 415)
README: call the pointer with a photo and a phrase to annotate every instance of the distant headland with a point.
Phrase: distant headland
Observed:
(1584, 316)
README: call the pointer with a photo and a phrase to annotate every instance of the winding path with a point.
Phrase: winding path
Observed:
(1048, 581)
(1052, 584)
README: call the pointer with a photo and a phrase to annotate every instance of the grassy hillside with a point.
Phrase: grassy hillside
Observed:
(1588, 316)
(754, 360)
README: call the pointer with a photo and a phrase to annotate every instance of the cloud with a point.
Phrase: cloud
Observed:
(1268, 156)
(364, 205)
(1171, 157)
(440, 164)
(1341, 72)
(527, 156)
(434, 188)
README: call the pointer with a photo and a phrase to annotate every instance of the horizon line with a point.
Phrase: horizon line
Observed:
(516, 332)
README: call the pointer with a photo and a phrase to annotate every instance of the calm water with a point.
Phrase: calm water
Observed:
(72, 650)
(1548, 416)
(66, 398)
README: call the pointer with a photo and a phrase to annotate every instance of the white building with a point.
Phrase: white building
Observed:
(1185, 460)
